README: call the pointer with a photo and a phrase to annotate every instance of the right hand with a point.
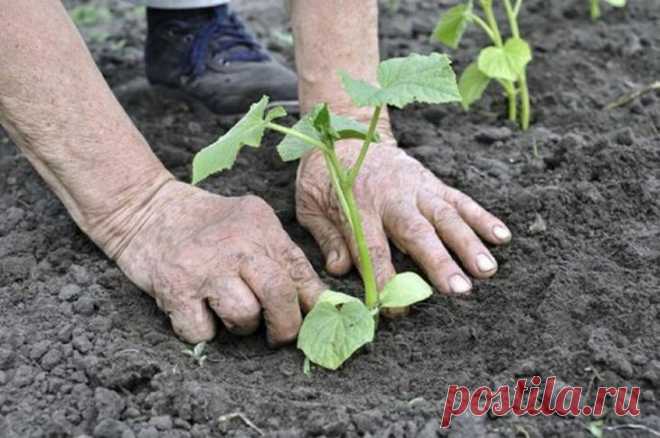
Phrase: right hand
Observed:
(199, 253)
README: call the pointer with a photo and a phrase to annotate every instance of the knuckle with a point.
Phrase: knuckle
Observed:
(243, 320)
(468, 205)
(444, 261)
(414, 230)
(280, 290)
(446, 216)
(254, 204)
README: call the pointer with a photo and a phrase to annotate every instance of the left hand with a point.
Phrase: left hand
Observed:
(399, 198)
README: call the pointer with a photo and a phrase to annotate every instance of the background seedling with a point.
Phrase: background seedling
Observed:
(339, 324)
(198, 352)
(595, 6)
(504, 61)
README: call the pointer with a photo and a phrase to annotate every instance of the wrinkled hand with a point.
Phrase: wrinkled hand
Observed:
(200, 253)
(400, 199)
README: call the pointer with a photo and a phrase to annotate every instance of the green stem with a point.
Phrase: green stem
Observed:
(525, 110)
(352, 213)
(492, 24)
(595, 9)
(522, 79)
(513, 20)
(342, 183)
(292, 132)
(365, 146)
(511, 95)
(366, 265)
(335, 171)
(516, 8)
(477, 19)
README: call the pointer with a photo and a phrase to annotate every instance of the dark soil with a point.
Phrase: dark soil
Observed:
(82, 351)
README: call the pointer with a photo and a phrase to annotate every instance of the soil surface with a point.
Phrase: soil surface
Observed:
(82, 351)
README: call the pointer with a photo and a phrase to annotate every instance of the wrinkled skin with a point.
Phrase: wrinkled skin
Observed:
(200, 253)
(399, 198)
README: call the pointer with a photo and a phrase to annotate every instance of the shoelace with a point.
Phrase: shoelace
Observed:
(224, 33)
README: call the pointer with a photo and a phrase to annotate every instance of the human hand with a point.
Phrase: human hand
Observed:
(399, 198)
(198, 254)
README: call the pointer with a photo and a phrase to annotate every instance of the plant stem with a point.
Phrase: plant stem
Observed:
(525, 110)
(595, 9)
(342, 182)
(516, 8)
(522, 79)
(365, 146)
(292, 132)
(511, 94)
(492, 24)
(477, 19)
(335, 171)
(366, 265)
(349, 206)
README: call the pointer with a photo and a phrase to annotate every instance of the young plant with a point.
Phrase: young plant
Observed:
(504, 62)
(339, 324)
(198, 353)
(595, 6)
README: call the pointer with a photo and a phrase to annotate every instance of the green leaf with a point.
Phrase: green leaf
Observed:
(292, 148)
(415, 78)
(404, 289)
(596, 428)
(330, 335)
(222, 153)
(519, 53)
(348, 128)
(199, 349)
(617, 3)
(452, 25)
(507, 62)
(472, 85)
(275, 113)
(336, 298)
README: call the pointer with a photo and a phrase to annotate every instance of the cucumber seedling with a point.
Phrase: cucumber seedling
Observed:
(339, 324)
(595, 6)
(504, 61)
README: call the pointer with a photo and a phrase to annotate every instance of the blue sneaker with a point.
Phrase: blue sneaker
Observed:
(208, 54)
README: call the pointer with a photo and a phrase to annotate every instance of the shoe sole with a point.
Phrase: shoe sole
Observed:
(291, 106)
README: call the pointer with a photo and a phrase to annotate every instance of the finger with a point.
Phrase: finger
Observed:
(233, 301)
(278, 297)
(308, 285)
(330, 240)
(377, 244)
(192, 320)
(458, 236)
(416, 236)
(487, 225)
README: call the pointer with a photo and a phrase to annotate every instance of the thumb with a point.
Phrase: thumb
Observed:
(192, 321)
(332, 243)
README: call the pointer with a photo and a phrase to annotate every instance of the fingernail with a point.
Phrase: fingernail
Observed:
(485, 263)
(333, 257)
(501, 233)
(459, 285)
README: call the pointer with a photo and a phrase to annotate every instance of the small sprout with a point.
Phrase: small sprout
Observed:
(595, 6)
(340, 324)
(198, 353)
(504, 62)
(595, 428)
